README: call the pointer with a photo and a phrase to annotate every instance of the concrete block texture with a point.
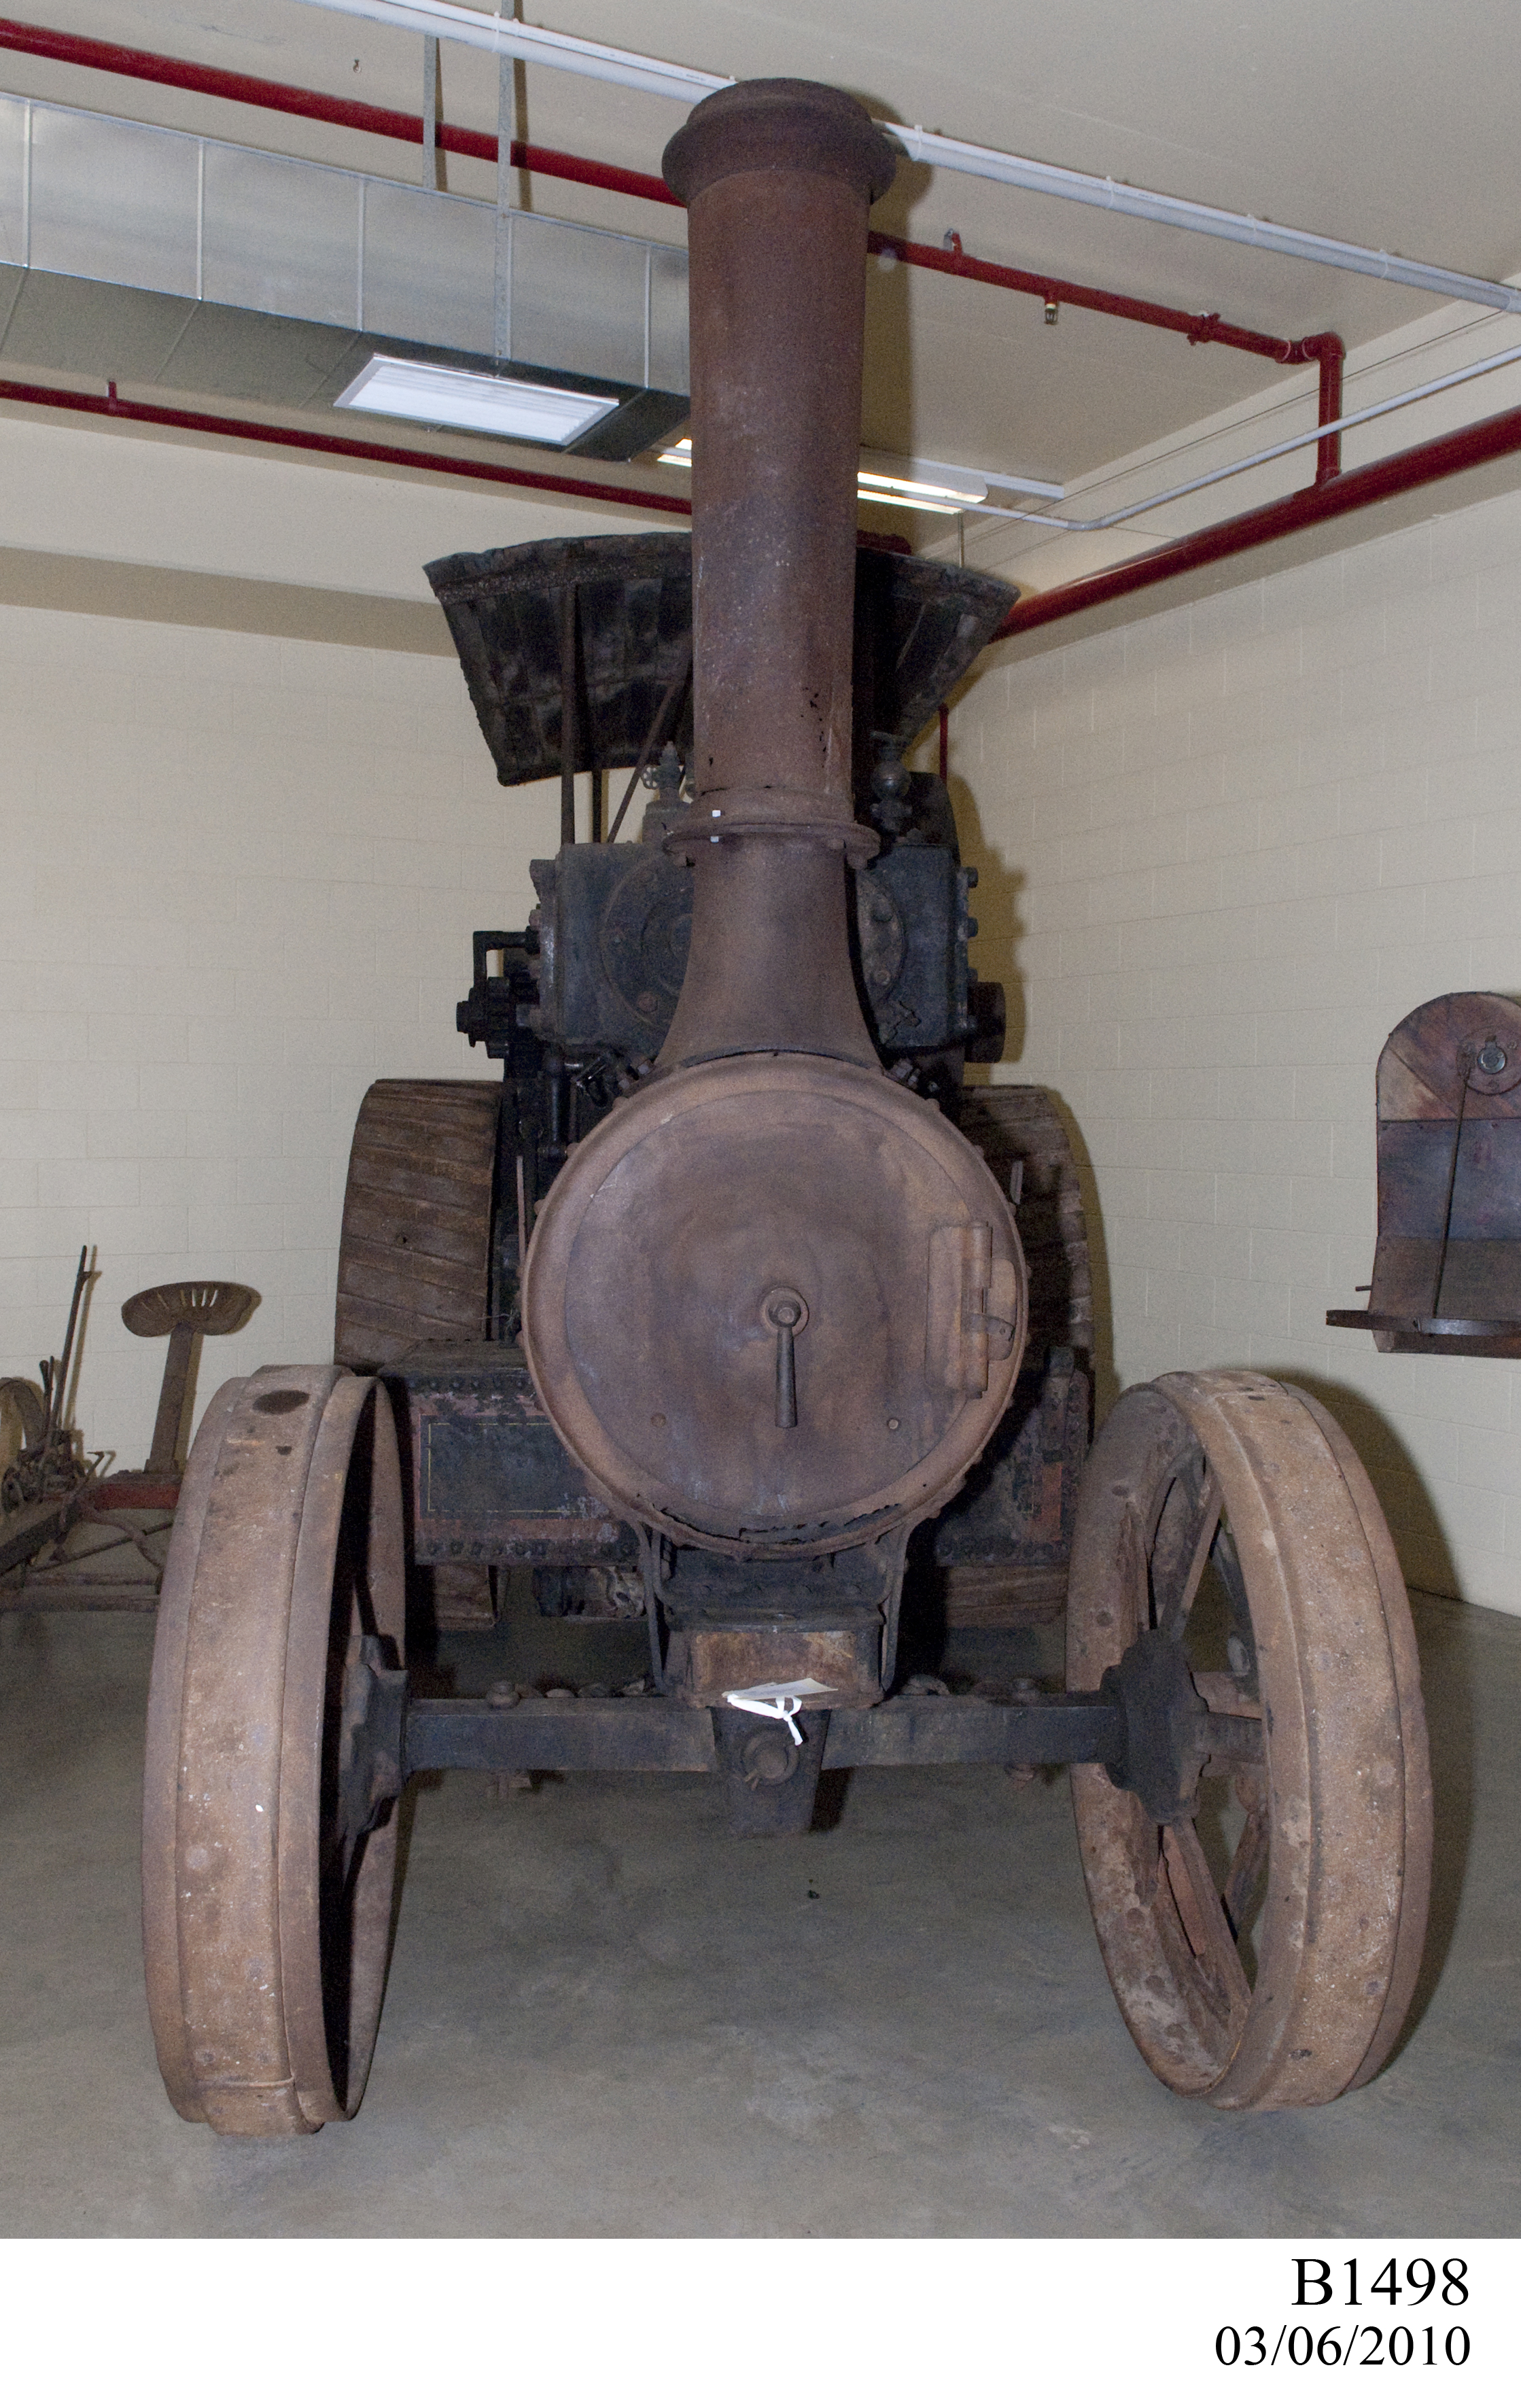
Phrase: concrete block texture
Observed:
(1355, 850)
(216, 951)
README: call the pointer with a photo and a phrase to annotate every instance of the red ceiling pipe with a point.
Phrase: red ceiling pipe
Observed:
(391, 455)
(1426, 464)
(1212, 328)
(396, 126)
(294, 100)
(1331, 352)
(342, 447)
(1403, 472)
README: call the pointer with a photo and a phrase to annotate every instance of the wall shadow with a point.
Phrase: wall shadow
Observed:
(1448, 1671)
(996, 903)
(1444, 1633)
(1415, 1525)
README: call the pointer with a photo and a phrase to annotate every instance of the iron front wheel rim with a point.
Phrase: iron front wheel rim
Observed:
(265, 1978)
(1344, 1789)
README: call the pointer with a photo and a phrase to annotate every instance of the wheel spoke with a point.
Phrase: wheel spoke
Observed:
(1175, 1579)
(1202, 1914)
(1224, 1694)
(1247, 1867)
(1134, 1577)
(1242, 1647)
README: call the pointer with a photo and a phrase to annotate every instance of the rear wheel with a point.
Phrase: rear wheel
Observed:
(1003, 1545)
(1264, 1944)
(415, 1256)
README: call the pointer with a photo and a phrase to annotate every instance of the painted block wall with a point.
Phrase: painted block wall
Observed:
(1224, 850)
(239, 878)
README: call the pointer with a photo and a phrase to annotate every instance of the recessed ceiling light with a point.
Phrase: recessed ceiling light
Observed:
(487, 405)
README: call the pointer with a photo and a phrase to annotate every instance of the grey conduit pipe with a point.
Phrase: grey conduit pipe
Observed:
(665, 81)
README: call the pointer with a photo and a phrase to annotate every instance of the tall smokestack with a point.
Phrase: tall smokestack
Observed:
(774, 1304)
(778, 178)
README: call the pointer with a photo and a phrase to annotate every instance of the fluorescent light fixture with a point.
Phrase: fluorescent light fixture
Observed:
(918, 494)
(483, 405)
(933, 471)
(912, 484)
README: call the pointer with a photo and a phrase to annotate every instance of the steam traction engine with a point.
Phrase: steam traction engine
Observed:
(579, 653)
(749, 1309)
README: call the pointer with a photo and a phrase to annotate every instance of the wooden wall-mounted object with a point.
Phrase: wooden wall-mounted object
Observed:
(1447, 1267)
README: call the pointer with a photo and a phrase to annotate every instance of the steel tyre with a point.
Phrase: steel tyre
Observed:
(266, 1965)
(1284, 1981)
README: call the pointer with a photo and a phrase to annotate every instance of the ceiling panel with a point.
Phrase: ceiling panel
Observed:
(1389, 123)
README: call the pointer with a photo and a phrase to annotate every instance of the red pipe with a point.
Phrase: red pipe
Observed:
(954, 260)
(1426, 464)
(1332, 352)
(396, 126)
(302, 438)
(1403, 472)
(294, 100)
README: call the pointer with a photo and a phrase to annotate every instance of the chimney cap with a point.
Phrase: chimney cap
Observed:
(779, 123)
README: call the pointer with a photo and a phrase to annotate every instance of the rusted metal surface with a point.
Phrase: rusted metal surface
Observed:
(774, 1306)
(774, 1158)
(37, 1498)
(182, 1312)
(778, 178)
(770, 1779)
(614, 929)
(768, 969)
(729, 1622)
(586, 1734)
(415, 1250)
(704, 1663)
(652, 1263)
(491, 1483)
(42, 1481)
(1003, 1545)
(506, 613)
(1018, 1127)
(111, 1559)
(266, 1907)
(1447, 1267)
(919, 627)
(1272, 1968)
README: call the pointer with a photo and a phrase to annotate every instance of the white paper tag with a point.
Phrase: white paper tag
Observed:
(778, 1701)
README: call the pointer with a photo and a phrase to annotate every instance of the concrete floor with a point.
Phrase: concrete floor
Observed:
(606, 2018)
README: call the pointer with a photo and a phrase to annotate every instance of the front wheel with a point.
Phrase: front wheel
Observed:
(1264, 1943)
(268, 1843)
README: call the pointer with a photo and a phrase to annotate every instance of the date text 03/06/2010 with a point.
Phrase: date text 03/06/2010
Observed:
(1318, 2284)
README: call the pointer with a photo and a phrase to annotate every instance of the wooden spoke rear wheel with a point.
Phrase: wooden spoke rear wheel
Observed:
(415, 1256)
(1003, 1544)
(267, 1922)
(1263, 1955)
